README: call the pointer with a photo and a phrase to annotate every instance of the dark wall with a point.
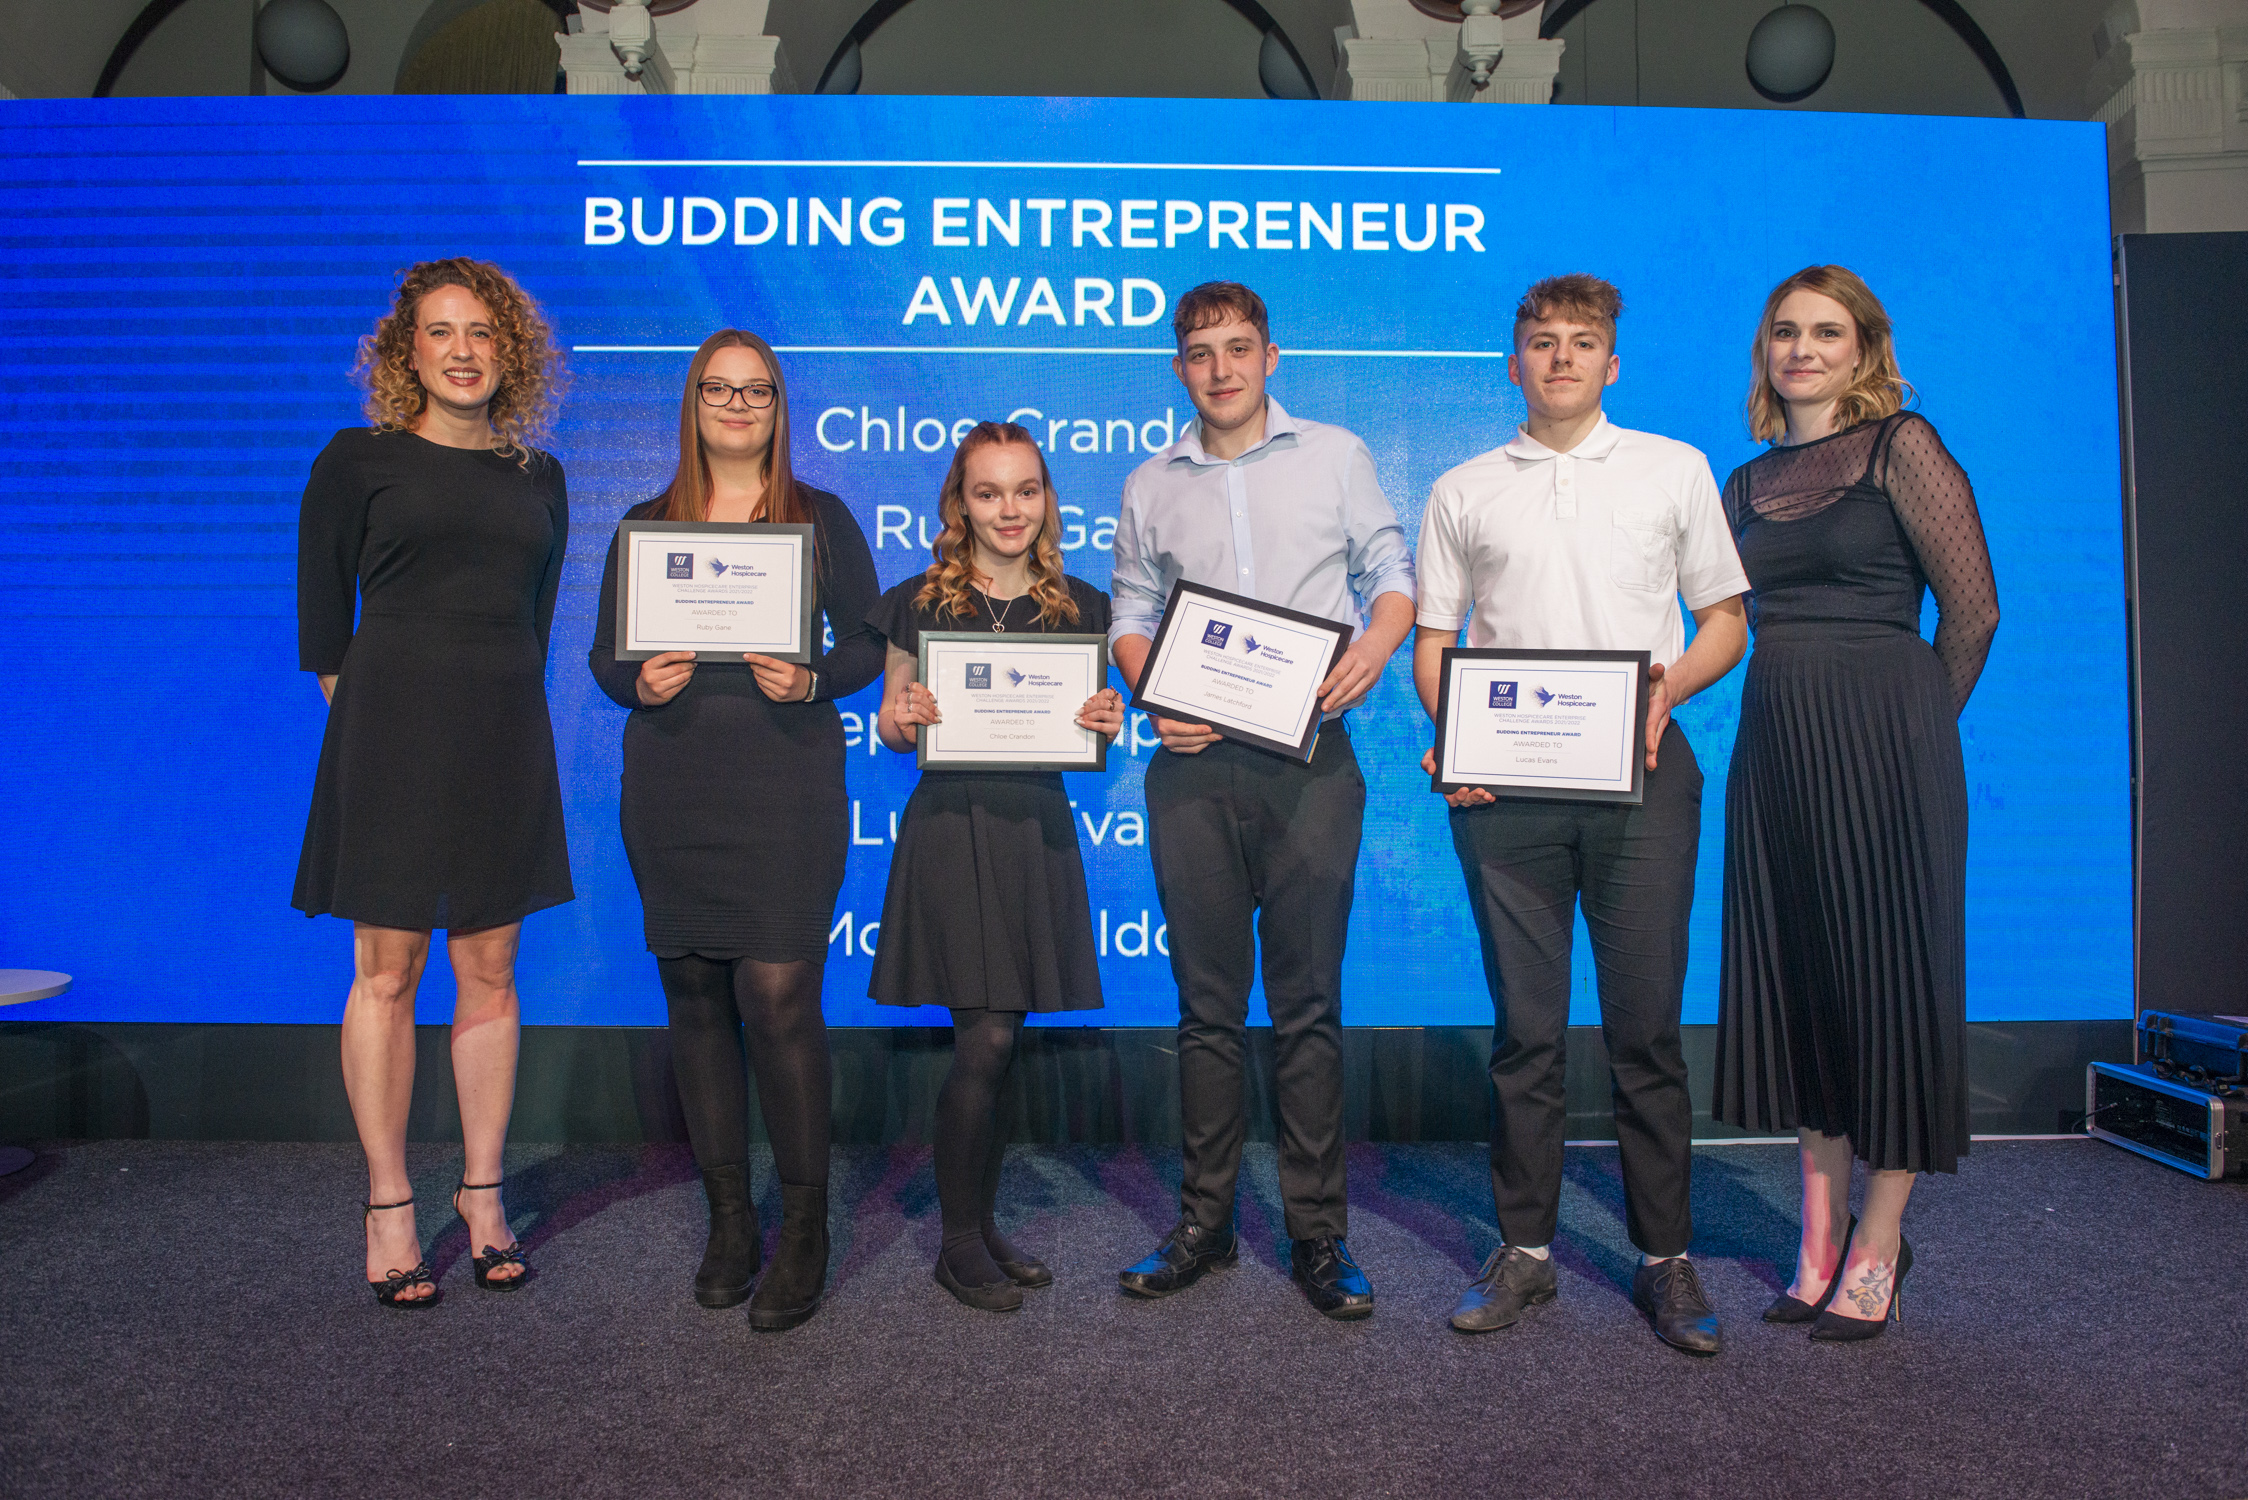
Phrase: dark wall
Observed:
(2185, 384)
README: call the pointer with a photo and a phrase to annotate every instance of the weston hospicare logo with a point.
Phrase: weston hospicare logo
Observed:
(1216, 633)
(1502, 694)
(679, 565)
(1545, 696)
(979, 674)
(1014, 678)
(718, 567)
(1249, 644)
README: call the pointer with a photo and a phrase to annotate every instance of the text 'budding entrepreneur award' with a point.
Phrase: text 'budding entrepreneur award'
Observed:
(1250, 671)
(1547, 724)
(714, 587)
(1009, 703)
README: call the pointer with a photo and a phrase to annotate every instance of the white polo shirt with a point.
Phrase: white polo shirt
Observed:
(1587, 550)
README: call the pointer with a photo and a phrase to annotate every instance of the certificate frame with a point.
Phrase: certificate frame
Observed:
(1157, 690)
(796, 538)
(939, 646)
(1558, 666)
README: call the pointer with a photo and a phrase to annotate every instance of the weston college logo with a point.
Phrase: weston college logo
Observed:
(979, 674)
(679, 565)
(1216, 633)
(1545, 696)
(1502, 694)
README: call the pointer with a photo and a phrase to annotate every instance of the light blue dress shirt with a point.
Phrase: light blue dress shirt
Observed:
(1299, 521)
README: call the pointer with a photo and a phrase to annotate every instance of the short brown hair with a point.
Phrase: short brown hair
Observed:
(1578, 296)
(1216, 302)
(1880, 389)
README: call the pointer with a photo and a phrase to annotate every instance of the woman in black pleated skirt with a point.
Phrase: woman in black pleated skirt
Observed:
(986, 910)
(1842, 1009)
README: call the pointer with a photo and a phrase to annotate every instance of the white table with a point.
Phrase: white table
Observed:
(17, 986)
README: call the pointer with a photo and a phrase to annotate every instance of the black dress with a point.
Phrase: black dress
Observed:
(1842, 1001)
(735, 815)
(986, 907)
(436, 803)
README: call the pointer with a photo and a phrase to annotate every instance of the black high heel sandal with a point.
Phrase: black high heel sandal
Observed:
(510, 1254)
(1789, 1308)
(1840, 1328)
(389, 1291)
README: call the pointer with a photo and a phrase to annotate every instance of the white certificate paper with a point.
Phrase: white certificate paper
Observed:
(1248, 670)
(714, 588)
(1010, 702)
(1543, 724)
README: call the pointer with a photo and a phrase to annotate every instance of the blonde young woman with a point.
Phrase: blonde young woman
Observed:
(1842, 1001)
(986, 910)
(737, 824)
(436, 802)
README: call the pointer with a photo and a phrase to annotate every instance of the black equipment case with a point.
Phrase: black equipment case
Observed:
(2185, 1102)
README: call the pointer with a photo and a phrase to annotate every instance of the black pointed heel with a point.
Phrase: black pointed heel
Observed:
(1839, 1328)
(391, 1289)
(510, 1254)
(1788, 1308)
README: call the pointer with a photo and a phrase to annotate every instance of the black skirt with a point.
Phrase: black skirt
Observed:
(986, 907)
(1842, 1003)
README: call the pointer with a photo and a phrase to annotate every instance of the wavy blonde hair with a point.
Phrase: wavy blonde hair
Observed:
(953, 574)
(1880, 389)
(531, 375)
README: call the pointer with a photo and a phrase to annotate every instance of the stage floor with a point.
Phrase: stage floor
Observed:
(188, 1319)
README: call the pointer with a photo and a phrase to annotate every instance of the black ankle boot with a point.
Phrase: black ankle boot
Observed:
(736, 1247)
(790, 1292)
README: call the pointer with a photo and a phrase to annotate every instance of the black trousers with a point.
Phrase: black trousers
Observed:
(1527, 864)
(1240, 835)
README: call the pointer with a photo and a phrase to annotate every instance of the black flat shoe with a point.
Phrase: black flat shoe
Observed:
(1789, 1308)
(509, 1254)
(1329, 1279)
(1840, 1328)
(1511, 1280)
(1179, 1262)
(984, 1296)
(1023, 1270)
(391, 1289)
(1670, 1293)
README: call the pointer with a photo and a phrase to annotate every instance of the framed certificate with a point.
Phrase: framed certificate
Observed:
(1010, 702)
(721, 587)
(1556, 724)
(1250, 671)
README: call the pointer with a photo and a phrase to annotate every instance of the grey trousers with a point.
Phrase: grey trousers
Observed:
(1527, 864)
(1240, 836)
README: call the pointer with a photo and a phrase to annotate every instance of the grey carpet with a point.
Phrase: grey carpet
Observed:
(188, 1319)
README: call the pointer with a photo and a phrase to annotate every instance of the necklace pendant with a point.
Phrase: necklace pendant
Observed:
(998, 627)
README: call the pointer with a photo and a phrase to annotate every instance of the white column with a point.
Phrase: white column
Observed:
(1393, 50)
(2172, 87)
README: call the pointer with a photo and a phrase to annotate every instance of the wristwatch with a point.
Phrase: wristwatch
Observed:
(814, 690)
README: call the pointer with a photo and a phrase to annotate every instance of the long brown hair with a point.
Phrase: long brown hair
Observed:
(1879, 390)
(953, 574)
(531, 377)
(687, 497)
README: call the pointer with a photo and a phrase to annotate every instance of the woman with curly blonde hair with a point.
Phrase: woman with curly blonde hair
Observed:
(436, 804)
(986, 910)
(1842, 990)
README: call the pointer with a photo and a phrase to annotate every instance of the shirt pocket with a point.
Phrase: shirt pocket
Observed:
(1643, 552)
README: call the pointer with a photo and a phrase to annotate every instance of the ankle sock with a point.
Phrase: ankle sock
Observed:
(1538, 1252)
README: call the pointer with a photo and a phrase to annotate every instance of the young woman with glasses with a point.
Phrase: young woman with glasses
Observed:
(736, 822)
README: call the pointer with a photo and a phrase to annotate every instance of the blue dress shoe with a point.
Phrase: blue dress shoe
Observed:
(1180, 1260)
(1330, 1279)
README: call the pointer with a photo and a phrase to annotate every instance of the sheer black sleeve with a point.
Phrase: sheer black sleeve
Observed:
(1936, 506)
(619, 679)
(331, 529)
(848, 589)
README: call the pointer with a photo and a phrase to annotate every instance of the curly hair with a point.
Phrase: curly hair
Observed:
(531, 376)
(1879, 389)
(1578, 296)
(950, 577)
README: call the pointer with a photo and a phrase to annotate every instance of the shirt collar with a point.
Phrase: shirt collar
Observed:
(1598, 443)
(1278, 424)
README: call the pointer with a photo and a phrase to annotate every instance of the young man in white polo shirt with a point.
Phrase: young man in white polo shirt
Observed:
(1581, 535)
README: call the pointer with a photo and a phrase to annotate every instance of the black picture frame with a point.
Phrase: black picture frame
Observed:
(1301, 748)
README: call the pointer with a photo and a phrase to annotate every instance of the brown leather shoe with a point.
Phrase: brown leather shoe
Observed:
(1511, 1280)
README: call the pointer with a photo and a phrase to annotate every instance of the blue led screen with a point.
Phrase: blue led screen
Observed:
(187, 280)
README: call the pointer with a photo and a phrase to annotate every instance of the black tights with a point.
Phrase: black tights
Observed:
(970, 1146)
(710, 1001)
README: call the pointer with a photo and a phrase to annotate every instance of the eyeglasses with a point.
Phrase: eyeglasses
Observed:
(757, 395)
